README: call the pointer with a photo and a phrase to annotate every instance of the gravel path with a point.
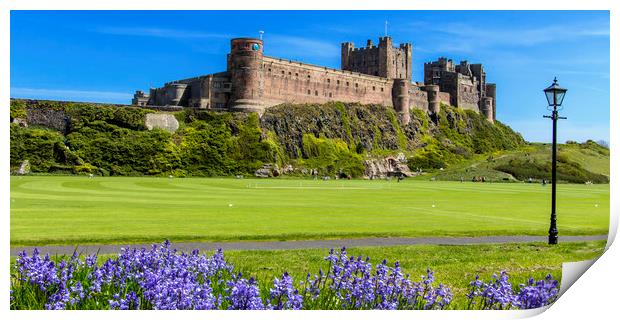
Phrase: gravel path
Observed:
(303, 244)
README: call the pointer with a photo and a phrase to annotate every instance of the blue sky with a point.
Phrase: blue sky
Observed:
(103, 56)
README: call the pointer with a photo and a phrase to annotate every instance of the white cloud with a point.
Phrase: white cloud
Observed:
(523, 36)
(159, 32)
(461, 37)
(72, 95)
(276, 44)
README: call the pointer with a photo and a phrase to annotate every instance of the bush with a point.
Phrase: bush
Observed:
(426, 160)
(17, 109)
(122, 151)
(44, 148)
(331, 156)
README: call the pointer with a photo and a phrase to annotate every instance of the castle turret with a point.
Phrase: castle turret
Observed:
(487, 108)
(400, 96)
(491, 92)
(174, 93)
(433, 98)
(246, 74)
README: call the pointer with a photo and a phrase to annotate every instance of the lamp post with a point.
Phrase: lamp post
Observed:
(555, 96)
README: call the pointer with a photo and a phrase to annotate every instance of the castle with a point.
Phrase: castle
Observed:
(375, 74)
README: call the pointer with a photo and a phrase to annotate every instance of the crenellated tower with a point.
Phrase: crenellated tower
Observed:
(383, 60)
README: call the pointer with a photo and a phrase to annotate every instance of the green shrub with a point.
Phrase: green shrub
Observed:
(44, 148)
(331, 156)
(86, 168)
(122, 151)
(17, 109)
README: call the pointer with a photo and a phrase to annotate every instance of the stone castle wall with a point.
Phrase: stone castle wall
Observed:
(295, 82)
(371, 75)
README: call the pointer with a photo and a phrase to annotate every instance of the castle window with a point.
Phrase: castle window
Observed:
(347, 83)
(330, 94)
(381, 89)
(338, 82)
(373, 88)
(356, 85)
(282, 72)
(289, 73)
(308, 76)
(269, 69)
(316, 92)
(309, 92)
(328, 80)
(296, 74)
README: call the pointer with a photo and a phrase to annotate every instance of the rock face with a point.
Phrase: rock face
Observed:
(55, 119)
(164, 121)
(370, 126)
(387, 167)
(24, 168)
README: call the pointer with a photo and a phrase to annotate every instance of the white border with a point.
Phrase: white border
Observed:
(593, 295)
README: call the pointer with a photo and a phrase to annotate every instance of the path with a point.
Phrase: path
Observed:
(303, 244)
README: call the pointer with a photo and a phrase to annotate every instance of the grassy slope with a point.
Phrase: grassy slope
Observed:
(482, 165)
(65, 209)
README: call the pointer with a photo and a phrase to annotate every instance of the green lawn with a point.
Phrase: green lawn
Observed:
(64, 209)
(454, 265)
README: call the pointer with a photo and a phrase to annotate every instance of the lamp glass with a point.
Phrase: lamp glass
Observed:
(549, 94)
(559, 96)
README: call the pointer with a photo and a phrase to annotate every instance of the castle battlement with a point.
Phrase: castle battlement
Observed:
(374, 74)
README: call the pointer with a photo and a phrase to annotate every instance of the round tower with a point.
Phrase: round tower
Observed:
(174, 92)
(491, 92)
(487, 108)
(433, 98)
(246, 73)
(400, 93)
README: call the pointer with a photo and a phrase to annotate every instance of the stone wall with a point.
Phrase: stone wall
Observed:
(444, 98)
(296, 82)
(418, 98)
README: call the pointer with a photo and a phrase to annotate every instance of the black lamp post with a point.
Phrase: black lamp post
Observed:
(555, 96)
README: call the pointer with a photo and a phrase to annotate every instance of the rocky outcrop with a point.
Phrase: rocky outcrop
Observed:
(20, 122)
(370, 126)
(164, 121)
(47, 117)
(387, 167)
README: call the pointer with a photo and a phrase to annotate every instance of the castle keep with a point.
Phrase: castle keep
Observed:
(378, 74)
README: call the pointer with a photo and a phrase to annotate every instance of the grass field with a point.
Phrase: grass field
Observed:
(65, 209)
(454, 266)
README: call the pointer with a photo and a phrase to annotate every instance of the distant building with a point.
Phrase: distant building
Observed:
(370, 75)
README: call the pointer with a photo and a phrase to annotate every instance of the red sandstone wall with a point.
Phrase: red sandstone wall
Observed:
(296, 82)
(418, 99)
(444, 97)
